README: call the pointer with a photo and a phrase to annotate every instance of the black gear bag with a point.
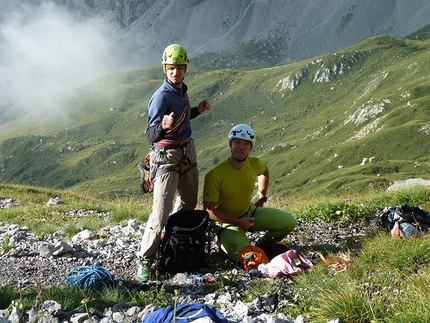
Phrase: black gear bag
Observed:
(182, 248)
(411, 220)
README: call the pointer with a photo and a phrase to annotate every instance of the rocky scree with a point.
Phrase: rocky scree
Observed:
(30, 261)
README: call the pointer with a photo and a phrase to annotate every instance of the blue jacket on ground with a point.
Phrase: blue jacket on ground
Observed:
(184, 313)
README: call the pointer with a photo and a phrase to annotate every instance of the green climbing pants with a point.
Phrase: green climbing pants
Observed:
(275, 222)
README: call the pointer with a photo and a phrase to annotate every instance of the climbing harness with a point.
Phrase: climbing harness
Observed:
(155, 171)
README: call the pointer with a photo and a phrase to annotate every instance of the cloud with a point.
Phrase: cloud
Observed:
(45, 53)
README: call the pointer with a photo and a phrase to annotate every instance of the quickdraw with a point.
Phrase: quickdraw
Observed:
(338, 263)
(146, 183)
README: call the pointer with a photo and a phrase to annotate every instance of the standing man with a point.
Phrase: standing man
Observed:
(227, 195)
(173, 158)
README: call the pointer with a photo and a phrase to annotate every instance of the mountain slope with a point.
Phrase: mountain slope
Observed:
(355, 119)
(48, 47)
(294, 30)
(341, 123)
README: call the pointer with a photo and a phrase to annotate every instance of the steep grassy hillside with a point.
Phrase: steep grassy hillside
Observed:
(341, 123)
(317, 121)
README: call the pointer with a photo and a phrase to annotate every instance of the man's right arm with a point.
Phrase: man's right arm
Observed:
(155, 133)
(219, 216)
(159, 119)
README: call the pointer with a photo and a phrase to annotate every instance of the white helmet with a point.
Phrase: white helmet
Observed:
(242, 131)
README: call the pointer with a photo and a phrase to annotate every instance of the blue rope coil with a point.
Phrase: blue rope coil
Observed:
(90, 278)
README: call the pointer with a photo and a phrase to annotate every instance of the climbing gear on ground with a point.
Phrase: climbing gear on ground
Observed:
(91, 278)
(251, 257)
(405, 220)
(337, 263)
(199, 279)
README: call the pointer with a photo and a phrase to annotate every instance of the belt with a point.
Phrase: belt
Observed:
(171, 144)
(246, 213)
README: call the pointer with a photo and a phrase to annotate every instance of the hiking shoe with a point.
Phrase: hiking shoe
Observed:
(253, 272)
(143, 271)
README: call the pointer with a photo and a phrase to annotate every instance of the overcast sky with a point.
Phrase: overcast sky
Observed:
(45, 53)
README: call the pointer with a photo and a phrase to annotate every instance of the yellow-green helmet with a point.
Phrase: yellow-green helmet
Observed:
(174, 55)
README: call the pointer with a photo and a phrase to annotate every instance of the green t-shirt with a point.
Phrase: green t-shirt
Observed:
(232, 188)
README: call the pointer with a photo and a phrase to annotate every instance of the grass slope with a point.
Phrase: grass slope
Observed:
(342, 123)
(386, 271)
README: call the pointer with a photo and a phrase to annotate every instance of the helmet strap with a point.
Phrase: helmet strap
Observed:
(169, 81)
(240, 160)
(231, 154)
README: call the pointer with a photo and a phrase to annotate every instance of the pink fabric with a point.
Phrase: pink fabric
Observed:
(283, 265)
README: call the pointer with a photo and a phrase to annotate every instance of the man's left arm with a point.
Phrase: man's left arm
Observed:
(203, 106)
(263, 185)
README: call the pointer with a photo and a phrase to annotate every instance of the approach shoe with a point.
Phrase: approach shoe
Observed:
(143, 271)
(254, 272)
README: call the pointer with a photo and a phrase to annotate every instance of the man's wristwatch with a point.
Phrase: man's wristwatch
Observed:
(264, 199)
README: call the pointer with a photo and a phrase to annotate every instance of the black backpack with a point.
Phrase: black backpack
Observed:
(182, 248)
(272, 248)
